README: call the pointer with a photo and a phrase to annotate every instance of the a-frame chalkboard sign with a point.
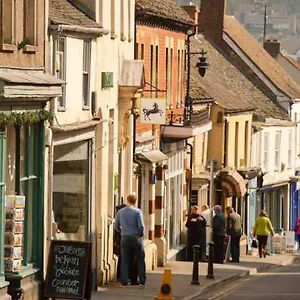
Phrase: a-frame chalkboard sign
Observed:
(68, 271)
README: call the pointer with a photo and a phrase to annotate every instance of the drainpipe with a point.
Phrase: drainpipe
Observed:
(135, 159)
(191, 168)
(188, 105)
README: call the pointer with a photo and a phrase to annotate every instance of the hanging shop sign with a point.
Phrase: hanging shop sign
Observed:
(153, 111)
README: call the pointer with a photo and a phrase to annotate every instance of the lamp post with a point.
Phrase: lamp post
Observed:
(201, 66)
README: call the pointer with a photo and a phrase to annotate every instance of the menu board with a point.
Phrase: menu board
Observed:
(68, 270)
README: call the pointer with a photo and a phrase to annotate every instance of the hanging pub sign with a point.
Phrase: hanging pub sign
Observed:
(153, 111)
(69, 270)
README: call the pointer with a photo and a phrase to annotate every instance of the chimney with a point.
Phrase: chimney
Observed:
(192, 11)
(272, 47)
(211, 20)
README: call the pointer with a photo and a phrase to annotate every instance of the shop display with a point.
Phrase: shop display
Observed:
(14, 228)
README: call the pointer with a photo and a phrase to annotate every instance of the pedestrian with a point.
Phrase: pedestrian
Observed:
(129, 223)
(196, 233)
(262, 228)
(234, 230)
(218, 234)
(297, 231)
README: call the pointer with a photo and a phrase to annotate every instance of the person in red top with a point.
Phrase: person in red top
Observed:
(297, 229)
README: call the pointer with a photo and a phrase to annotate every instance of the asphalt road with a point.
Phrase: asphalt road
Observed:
(280, 283)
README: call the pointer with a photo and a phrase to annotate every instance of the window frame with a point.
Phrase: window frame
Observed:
(86, 72)
(61, 100)
(277, 150)
(266, 150)
(30, 32)
(8, 42)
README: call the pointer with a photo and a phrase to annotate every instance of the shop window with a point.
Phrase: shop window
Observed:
(60, 68)
(21, 182)
(71, 190)
(86, 73)
(8, 22)
(30, 22)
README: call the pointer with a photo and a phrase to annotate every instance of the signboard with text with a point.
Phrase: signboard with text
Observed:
(153, 111)
(68, 270)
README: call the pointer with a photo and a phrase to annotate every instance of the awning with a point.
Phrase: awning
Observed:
(132, 74)
(153, 156)
(232, 183)
(28, 84)
(169, 132)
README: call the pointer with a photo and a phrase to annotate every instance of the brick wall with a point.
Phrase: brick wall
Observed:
(163, 38)
(211, 20)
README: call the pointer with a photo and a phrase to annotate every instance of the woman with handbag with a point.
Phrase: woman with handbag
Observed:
(262, 228)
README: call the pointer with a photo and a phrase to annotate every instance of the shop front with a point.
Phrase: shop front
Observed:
(72, 191)
(23, 117)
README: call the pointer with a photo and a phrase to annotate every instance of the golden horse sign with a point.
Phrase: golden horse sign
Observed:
(153, 111)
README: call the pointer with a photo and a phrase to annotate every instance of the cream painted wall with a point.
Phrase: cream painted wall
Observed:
(274, 175)
(74, 111)
(242, 150)
(216, 138)
(112, 49)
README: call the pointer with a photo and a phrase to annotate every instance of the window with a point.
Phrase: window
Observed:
(171, 77)
(86, 73)
(122, 20)
(136, 52)
(266, 150)
(167, 75)
(290, 149)
(8, 22)
(236, 146)
(24, 165)
(30, 23)
(112, 19)
(277, 149)
(129, 20)
(156, 70)
(142, 51)
(60, 68)
(151, 69)
(179, 76)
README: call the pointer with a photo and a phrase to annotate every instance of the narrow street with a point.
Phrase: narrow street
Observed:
(277, 284)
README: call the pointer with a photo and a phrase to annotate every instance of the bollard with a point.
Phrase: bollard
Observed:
(196, 255)
(210, 266)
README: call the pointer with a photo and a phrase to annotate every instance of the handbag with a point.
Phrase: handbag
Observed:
(254, 243)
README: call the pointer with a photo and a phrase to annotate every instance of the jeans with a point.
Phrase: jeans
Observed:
(235, 248)
(218, 248)
(132, 246)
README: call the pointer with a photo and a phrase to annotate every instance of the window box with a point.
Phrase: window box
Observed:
(8, 47)
(30, 49)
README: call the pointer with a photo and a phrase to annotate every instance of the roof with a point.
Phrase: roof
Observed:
(289, 59)
(64, 12)
(227, 85)
(166, 10)
(248, 44)
(291, 44)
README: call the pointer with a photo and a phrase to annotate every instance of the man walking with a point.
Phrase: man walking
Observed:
(129, 222)
(234, 230)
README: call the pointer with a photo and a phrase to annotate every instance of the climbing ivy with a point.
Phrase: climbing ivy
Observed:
(30, 117)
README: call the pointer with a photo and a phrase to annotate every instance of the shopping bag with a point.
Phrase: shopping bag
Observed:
(254, 243)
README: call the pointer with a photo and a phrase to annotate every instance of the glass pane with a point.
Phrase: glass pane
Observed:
(71, 191)
(10, 177)
(22, 151)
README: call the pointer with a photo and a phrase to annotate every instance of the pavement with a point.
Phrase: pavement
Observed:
(182, 275)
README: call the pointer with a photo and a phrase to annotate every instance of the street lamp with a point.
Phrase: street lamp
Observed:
(201, 66)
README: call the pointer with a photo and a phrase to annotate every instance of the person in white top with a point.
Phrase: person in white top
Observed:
(206, 213)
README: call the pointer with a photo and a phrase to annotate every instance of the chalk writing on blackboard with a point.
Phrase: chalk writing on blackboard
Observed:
(67, 269)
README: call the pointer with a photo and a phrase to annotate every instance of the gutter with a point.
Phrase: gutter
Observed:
(80, 29)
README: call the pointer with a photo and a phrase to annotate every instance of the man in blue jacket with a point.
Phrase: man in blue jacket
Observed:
(130, 224)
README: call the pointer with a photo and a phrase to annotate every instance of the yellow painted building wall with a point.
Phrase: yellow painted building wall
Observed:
(238, 148)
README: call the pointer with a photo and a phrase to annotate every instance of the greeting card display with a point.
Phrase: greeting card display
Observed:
(14, 228)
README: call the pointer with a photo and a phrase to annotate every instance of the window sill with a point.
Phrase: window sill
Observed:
(61, 109)
(25, 272)
(113, 36)
(8, 47)
(30, 49)
(86, 108)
